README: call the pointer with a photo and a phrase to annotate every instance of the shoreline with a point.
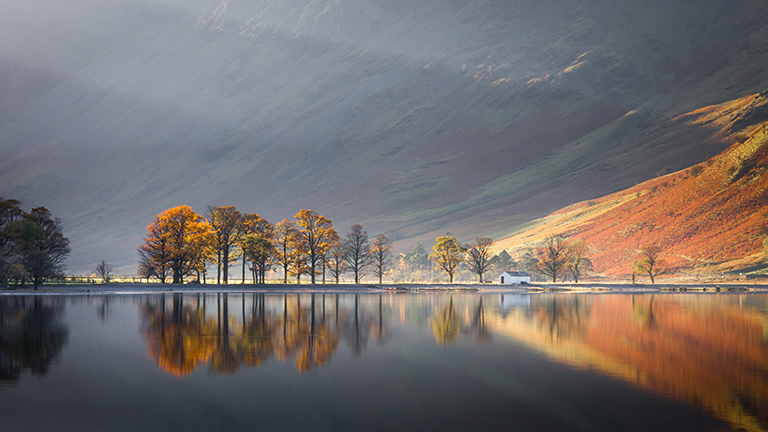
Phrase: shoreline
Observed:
(407, 288)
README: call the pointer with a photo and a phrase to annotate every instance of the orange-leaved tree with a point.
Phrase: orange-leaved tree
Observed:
(256, 245)
(173, 242)
(316, 235)
(285, 239)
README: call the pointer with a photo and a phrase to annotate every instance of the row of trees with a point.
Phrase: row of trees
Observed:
(32, 246)
(181, 243)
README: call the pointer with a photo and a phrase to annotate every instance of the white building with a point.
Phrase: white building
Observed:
(514, 277)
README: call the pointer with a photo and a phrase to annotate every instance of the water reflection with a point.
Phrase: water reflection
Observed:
(707, 351)
(31, 336)
(710, 351)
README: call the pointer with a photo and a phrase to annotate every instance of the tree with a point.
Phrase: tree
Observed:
(316, 235)
(172, 242)
(447, 255)
(505, 261)
(104, 270)
(578, 263)
(263, 255)
(553, 257)
(10, 211)
(649, 262)
(285, 240)
(146, 268)
(227, 223)
(381, 254)
(260, 252)
(336, 262)
(417, 259)
(479, 258)
(35, 246)
(357, 251)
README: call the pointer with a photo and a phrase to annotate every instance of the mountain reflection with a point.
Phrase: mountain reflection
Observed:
(31, 335)
(710, 351)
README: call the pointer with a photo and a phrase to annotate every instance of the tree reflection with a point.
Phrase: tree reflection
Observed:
(446, 324)
(31, 335)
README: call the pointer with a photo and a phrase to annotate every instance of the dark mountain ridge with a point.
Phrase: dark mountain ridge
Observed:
(412, 118)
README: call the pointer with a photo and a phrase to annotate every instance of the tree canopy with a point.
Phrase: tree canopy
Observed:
(447, 255)
(32, 245)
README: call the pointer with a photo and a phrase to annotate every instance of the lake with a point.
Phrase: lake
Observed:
(384, 362)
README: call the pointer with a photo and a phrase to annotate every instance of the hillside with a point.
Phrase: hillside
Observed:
(412, 118)
(712, 217)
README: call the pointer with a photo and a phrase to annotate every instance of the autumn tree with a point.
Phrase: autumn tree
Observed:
(172, 242)
(553, 257)
(479, 258)
(649, 262)
(578, 263)
(336, 263)
(104, 270)
(381, 255)
(316, 235)
(447, 255)
(227, 224)
(357, 251)
(286, 240)
(259, 252)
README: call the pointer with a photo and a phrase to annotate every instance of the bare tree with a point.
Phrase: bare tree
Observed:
(578, 263)
(336, 262)
(357, 251)
(381, 254)
(479, 258)
(649, 262)
(104, 270)
(553, 257)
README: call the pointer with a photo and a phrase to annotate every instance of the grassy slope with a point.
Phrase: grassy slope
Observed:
(710, 217)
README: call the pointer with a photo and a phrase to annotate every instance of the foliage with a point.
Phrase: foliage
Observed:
(32, 246)
(227, 225)
(417, 259)
(286, 239)
(173, 242)
(447, 255)
(316, 235)
(256, 245)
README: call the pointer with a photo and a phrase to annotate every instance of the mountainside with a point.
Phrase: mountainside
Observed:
(412, 118)
(712, 217)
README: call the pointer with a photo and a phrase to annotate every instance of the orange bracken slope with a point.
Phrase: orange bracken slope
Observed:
(708, 218)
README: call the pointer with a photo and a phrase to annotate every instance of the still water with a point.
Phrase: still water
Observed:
(358, 362)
